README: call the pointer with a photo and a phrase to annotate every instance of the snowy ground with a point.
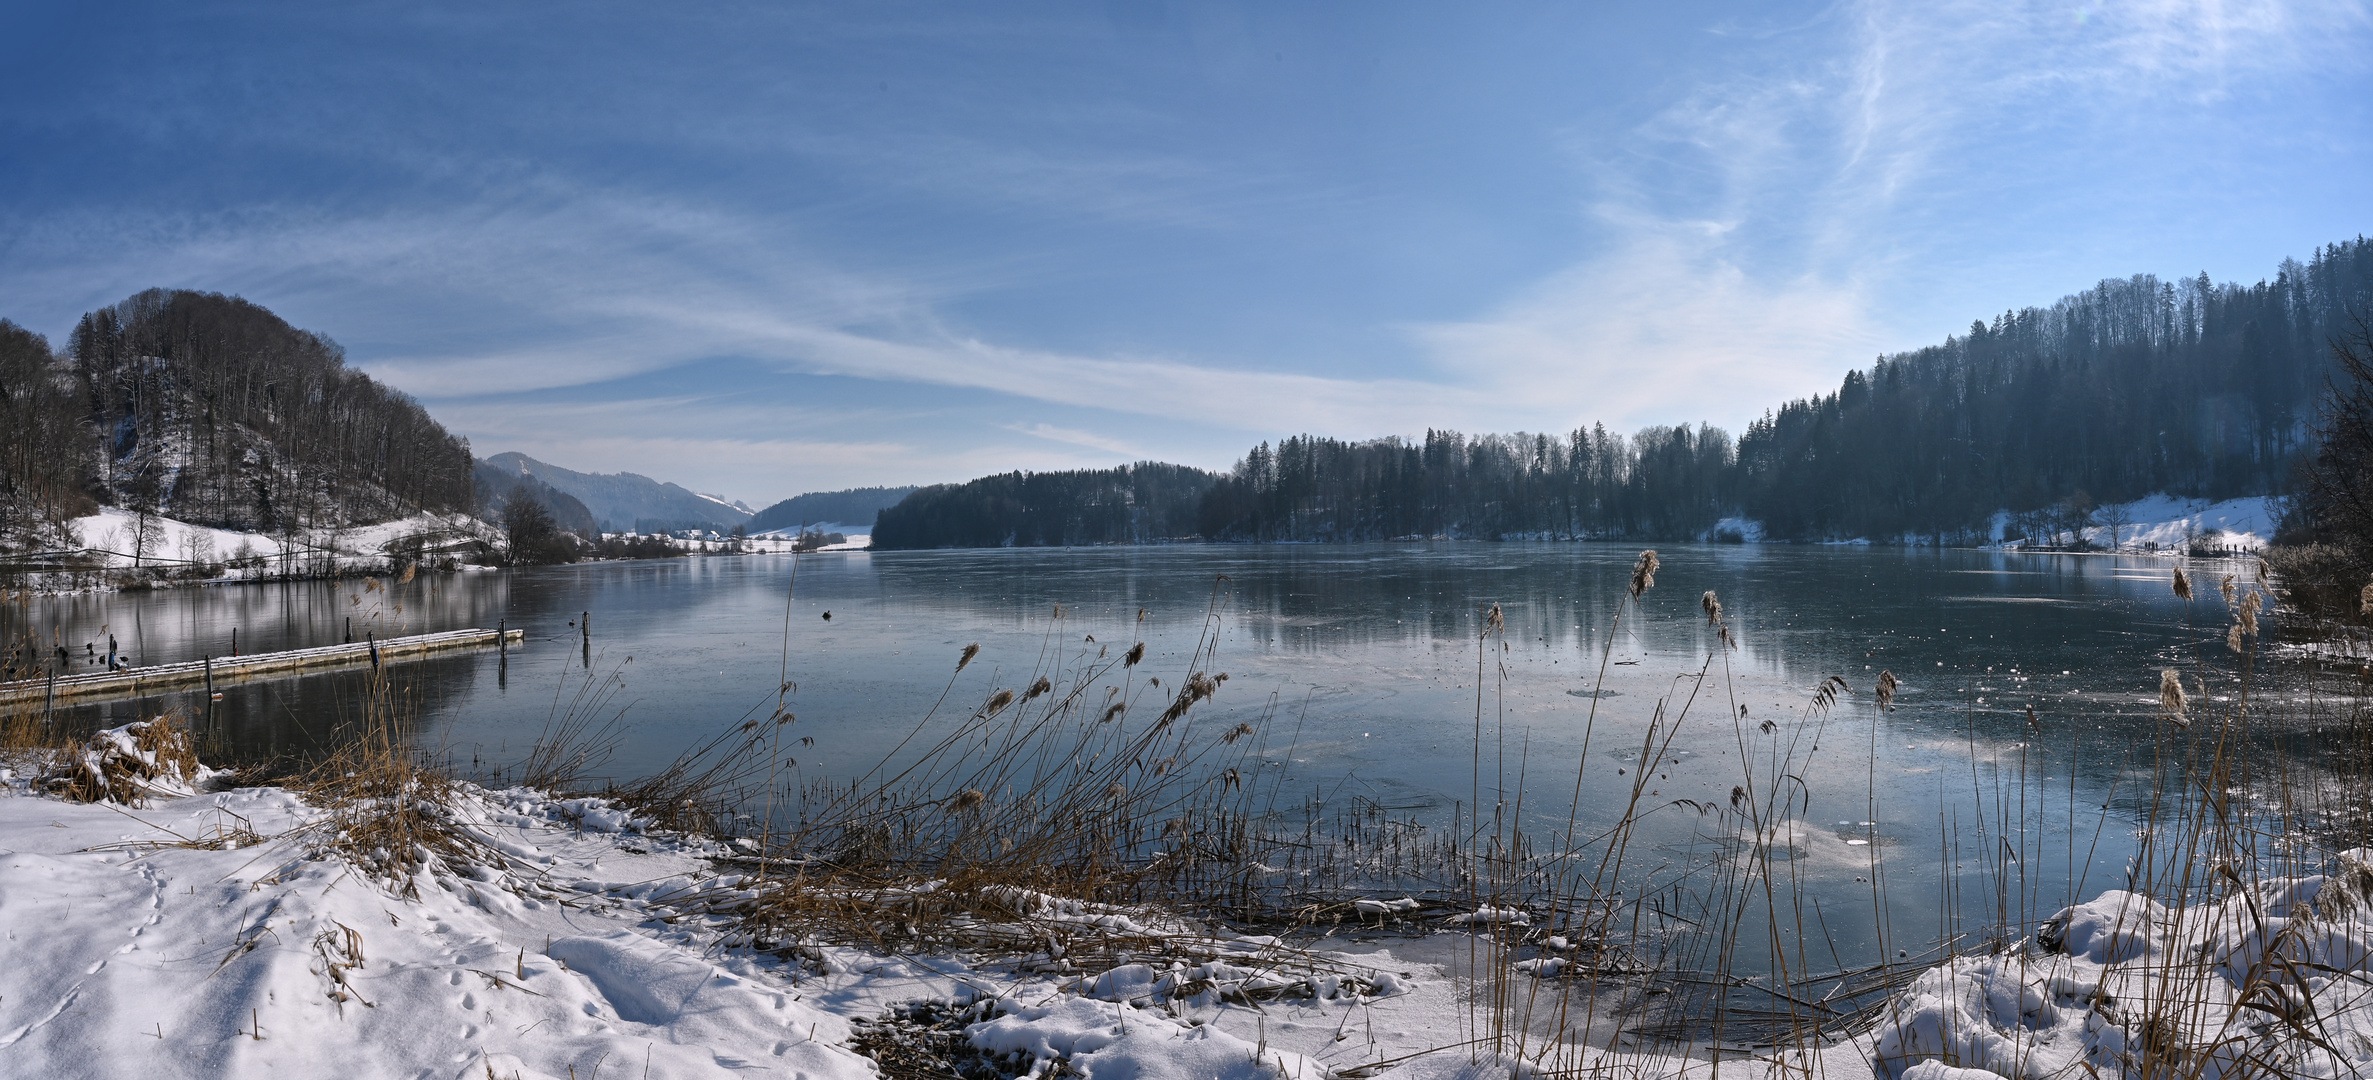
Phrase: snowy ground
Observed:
(2167, 522)
(231, 555)
(858, 536)
(179, 543)
(201, 934)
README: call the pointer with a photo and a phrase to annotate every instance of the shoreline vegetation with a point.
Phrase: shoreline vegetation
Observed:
(1087, 868)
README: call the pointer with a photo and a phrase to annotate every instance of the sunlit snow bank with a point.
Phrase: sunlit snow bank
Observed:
(2271, 982)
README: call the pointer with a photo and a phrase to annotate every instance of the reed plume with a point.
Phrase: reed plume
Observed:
(1886, 688)
(967, 799)
(2172, 701)
(1643, 573)
(996, 703)
(1198, 686)
(1712, 606)
(2183, 584)
(2226, 587)
(1037, 688)
(970, 651)
(1136, 653)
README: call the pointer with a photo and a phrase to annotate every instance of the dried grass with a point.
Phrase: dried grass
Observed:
(387, 809)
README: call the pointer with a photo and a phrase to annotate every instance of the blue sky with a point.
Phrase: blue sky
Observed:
(778, 248)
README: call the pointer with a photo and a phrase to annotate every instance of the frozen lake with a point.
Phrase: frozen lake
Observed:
(1359, 664)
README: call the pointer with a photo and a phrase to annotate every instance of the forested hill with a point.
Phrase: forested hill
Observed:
(1133, 504)
(853, 506)
(2133, 387)
(210, 409)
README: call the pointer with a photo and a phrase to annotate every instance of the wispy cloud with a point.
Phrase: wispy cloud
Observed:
(1663, 330)
(602, 286)
(1076, 437)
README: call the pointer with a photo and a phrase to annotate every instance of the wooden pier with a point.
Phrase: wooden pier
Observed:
(222, 670)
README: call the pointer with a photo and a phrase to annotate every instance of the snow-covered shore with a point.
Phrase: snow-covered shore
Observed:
(212, 933)
(2168, 523)
(109, 552)
(182, 549)
(180, 939)
(2171, 523)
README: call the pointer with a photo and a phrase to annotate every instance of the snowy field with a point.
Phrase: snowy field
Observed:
(201, 933)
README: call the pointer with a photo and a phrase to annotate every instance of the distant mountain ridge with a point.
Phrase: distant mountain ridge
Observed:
(497, 484)
(624, 502)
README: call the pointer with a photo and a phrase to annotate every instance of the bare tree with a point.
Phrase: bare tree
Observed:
(2115, 517)
(2339, 496)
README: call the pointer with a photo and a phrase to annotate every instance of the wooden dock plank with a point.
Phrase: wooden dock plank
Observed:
(161, 678)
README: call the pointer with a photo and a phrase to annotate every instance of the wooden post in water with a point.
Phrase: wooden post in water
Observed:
(373, 639)
(585, 626)
(350, 629)
(234, 641)
(49, 698)
(502, 639)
